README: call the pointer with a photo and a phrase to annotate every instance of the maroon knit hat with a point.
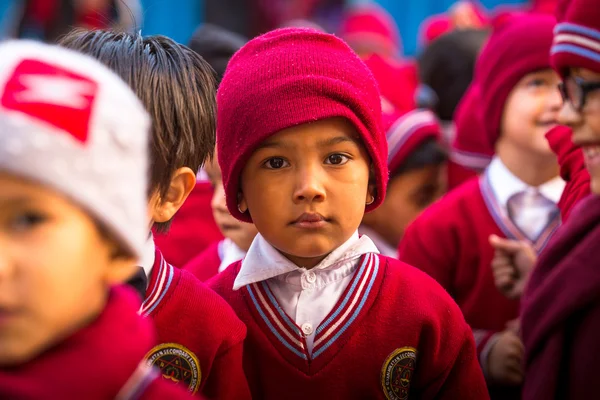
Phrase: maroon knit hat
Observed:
(519, 47)
(290, 77)
(577, 37)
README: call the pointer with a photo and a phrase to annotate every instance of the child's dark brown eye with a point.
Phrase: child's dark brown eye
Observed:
(336, 159)
(27, 220)
(275, 163)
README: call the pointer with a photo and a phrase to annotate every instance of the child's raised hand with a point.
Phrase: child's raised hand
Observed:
(505, 361)
(512, 264)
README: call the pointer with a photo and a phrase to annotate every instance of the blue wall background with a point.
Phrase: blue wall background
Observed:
(178, 18)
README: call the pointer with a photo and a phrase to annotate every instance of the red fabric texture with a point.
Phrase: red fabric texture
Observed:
(290, 77)
(505, 59)
(405, 308)
(193, 228)
(373, 25)
(577, 37)
(449, 242)
(470, 150)
(572, 169)
(408, 132)
(206, 264)
(561, 312)
(95, 362)
(192, 315)
(433, 27)
(397, 81)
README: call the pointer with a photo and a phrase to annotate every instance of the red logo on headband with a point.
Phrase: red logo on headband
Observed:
(52, 94)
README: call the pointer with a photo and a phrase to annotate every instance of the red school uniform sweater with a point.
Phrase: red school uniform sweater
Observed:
(99, 362)
(449, 242)
(206, 264)
(560, 322)
(572, 169)
(393, 334)
(193, 228)
(201, 339)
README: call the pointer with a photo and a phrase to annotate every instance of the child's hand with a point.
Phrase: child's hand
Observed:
(512, 264)
(505, 361)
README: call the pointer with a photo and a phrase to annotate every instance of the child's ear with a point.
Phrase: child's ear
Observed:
(163, 208)
(372, 188)
(242, 205)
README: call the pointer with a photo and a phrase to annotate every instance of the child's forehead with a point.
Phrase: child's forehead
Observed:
(326, 132)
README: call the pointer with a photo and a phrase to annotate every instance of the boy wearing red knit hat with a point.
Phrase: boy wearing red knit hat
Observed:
(515, 198)
(303, 156)
(561, 310)
(177, 87)
(73, 173)
(417, 164)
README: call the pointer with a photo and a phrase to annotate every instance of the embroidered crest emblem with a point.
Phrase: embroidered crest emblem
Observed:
(177, 364)
(397, 372)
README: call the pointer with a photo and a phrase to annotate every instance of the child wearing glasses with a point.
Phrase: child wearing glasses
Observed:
(561, 305)
(515, 198)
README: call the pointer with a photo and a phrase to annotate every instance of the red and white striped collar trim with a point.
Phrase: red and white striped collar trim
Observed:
(161, 278)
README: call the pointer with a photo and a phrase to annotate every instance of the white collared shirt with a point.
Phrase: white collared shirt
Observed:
(229, 252)
(306, 296)
(147, 261)
(381, 244)
(505, 184)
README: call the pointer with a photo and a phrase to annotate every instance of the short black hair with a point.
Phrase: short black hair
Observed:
(216, 45)
(429, 152)
(177, 88)
(446, 66)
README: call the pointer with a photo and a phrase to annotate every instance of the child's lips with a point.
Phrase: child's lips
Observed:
(591, 155)
(310, 221)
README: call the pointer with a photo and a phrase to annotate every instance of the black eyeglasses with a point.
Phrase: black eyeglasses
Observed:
(575, 91)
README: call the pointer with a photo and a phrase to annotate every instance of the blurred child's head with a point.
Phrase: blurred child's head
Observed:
(576, 57)
(447, 65)
(241, 233)
(73, 173)
(417, 164)
(369, 29)
(177, 87)
(216, 45)
(519, 92)
(299, 141)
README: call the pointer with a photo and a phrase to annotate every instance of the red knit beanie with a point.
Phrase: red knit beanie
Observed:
(370, 25)
(470, 147)
(577, 37)
(408, 132)
(519, 47)
(397, 81)
(290, 77)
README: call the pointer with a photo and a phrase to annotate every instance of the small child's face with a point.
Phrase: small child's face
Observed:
(531, 110)
(408, 194)
(306, 188)
(54, 269)
(586, 122)
(241, 233)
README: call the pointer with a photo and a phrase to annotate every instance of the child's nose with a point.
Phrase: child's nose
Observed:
(568, 116)
(309, 185)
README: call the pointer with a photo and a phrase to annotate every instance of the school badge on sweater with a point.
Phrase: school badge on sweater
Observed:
(177, 364)
(397, 372)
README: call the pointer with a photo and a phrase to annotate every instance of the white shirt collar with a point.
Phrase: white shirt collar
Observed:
(229, 252)
(505, 184)
(383, 246)
(263, 261)
(147, 261)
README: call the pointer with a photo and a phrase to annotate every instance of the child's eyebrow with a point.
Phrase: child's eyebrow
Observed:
(337, 140)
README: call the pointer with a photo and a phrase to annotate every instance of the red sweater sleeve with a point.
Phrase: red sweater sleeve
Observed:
(227, 379)
(572, 169)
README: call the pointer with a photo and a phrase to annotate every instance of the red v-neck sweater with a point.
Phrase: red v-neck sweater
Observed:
(186, 313)
(394, 332)
(96, 362)
(206, 264)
